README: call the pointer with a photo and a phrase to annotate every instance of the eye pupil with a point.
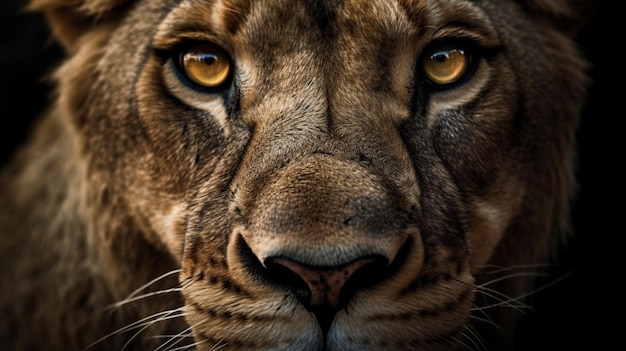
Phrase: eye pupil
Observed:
(209, 59)
(440, 57)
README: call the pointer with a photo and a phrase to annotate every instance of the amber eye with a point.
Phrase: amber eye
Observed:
(205, 64)
(445, 63)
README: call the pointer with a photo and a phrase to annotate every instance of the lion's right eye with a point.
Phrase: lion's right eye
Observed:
(445, 63)
(205, 64)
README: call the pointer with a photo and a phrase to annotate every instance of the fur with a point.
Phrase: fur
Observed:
(326, 196)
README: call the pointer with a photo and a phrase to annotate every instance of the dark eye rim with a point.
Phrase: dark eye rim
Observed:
(475, 56)
(174, 59)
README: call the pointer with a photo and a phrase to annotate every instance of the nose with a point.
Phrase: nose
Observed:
(324, 228)
(327, 289)
(325, 284)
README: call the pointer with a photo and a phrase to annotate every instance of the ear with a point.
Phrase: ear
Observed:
(570, 16)
(71, 19)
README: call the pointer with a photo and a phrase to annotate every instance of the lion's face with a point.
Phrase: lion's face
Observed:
(330, 175)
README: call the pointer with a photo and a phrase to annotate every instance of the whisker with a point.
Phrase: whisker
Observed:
(215, 347)
(500, 269)
(474, 338)
(167, 336)
(145, 325)
(543, 287)
(486, 320)
(139, 297)
(165, 275)
(134, 325)
(523, 296)
(502, 300)
(514, 275)
(462, 344)
(179, 337)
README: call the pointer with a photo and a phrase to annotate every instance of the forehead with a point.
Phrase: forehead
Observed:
(324, 15)
(376, 19)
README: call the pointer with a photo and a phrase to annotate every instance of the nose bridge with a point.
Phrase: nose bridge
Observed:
(291, 121)
(308, 113)
(305, 106)
(285, 101)
(327, 212)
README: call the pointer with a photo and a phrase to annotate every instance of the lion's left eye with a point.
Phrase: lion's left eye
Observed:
(205, 64)
(445, 62)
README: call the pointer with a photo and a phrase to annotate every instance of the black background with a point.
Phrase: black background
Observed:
(581, 311)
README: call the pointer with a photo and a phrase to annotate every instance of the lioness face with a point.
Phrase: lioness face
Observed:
(329, 175)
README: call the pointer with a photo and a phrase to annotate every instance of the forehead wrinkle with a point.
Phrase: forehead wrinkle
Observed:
(375, 54)
(366, 30)
(202, 20)
(189, 20)
(374, 17)
(280, 51)
(232, 14)
(432, 15)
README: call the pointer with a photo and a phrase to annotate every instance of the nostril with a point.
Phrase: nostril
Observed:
(285, 277)
(325, 284)
(325, 289)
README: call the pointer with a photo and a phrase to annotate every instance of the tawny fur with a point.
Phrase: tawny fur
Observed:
(328, 149)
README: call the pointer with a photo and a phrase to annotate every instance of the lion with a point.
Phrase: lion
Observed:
(292, 175)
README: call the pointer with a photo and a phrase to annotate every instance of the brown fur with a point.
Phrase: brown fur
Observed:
(329, 155)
